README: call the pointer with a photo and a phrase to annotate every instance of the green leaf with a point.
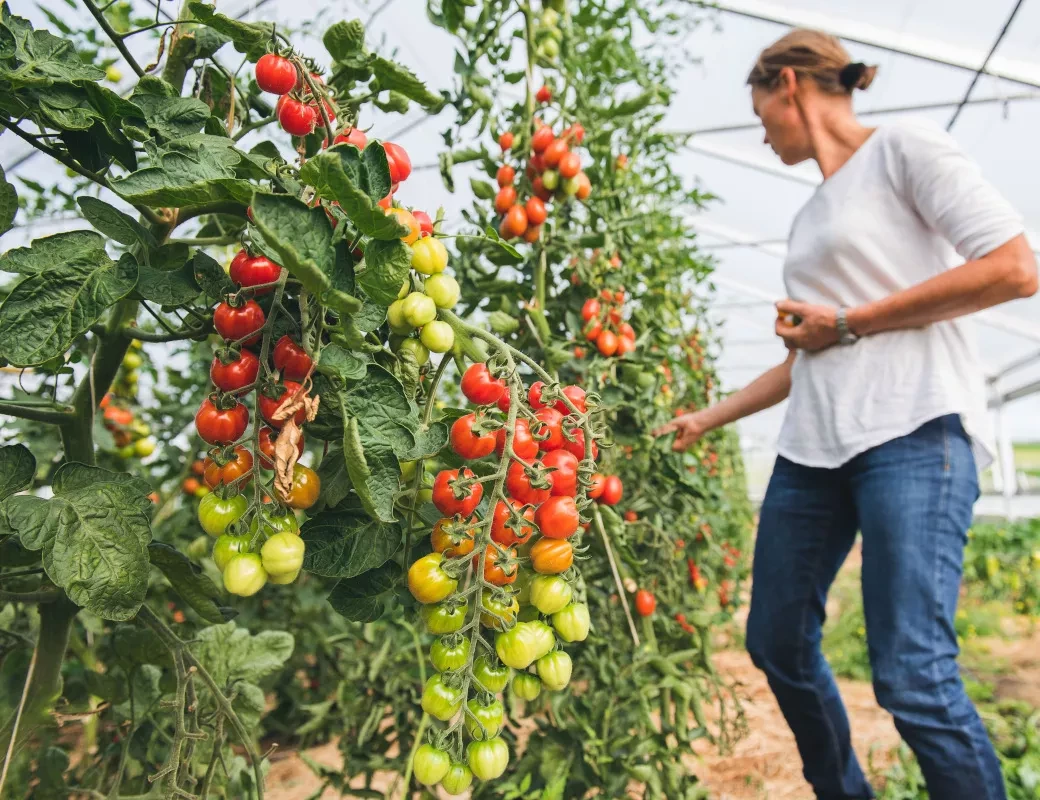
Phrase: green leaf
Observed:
(343, 544)
(69, 290)
(114, 223)
(363, 599)
(357, 181)
(134, 645)
(482, 189)
(189, 582)
(337, 362)
(169, 287)
(395, 77)
(38, 58)
(17, 468)
(211, 277)
(53, 764)
(248, 37)
(345, 39)
(373, 470)
(370, 317)
(8, 203)
(165, 114)
(335, 480)
(384, 269)
(233, 654)
(512, 255)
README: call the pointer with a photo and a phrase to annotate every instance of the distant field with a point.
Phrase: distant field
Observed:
(1027, 455)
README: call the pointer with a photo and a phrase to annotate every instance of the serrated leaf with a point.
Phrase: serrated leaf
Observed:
(210, 277)
(395, 77)
(17, 468)
(384, 269)
(233, 654)
(373, 470)
(370, 317)
(343, 544)
(189, 582)
(8, 203)
(169, 116)
(114, 223)
(335, 480)
(248, 37)
(338, 362)
(363, 598)
(38, 58)
(345, 39)
(168, 287)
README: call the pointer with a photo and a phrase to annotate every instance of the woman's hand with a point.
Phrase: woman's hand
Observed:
(690, 428)
(816, 330)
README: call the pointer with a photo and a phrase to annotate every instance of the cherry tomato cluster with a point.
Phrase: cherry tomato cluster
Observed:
(523, 558)
(297, 108)
(553, 172)
(605, 325)
(131, 436)
(547, 37)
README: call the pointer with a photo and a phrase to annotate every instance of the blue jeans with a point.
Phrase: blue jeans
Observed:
(912, 499)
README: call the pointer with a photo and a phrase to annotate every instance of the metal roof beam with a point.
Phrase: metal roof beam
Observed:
(1016, 394)
(894, 41)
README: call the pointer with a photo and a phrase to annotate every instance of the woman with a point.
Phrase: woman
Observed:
(886, 418)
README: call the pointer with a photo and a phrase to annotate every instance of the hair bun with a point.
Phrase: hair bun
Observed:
(856, 75)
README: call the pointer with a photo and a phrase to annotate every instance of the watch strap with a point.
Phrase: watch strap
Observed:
(845, 336)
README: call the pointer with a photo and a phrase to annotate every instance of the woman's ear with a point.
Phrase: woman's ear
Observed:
(787, 83)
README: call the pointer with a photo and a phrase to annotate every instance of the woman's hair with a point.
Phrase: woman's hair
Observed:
(811, 54)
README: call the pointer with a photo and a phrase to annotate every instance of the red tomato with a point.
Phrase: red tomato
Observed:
(425, 223)
(554, 152)
(534, 395)
(532, 234)
(607, 343)
(480, 387)
(570, 165)
(218, 425)
(515, 221)
(116, 415)
(535, 165)
(551, 428)
(564, 477)
(352, 136)
(266, 454)
(626, 330)
(295, 117)
(400, 163)
(593, 330)
(576, 446)
(505, 175)
(505, 199)
(254, 272)
(612, 491)
(616, 316)
(576, 395)
(268, 405)
(493, 572)
(541, 138)
(291, 359)
(518, 484)
(630, 516)
(503, 403)
(543, 95)
(536, 213)
(468, 444)
(577, 132)
(645, 603)
(444, 496)
(524, 445)
(591, 308)
(599, 482)
(507, 536)
(237, 323)
(241, 463)
(236, 374)
(625, 344)
(584, 187)
(275, 74)
(557, 517)
(385, 202)
(505, 141)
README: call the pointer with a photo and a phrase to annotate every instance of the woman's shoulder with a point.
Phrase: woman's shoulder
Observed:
(914, 136)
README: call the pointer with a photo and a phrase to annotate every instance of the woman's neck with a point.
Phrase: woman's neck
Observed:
(835, 134)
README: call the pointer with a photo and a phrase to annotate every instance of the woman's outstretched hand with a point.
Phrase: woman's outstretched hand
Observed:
(689, 428)
(816, 327)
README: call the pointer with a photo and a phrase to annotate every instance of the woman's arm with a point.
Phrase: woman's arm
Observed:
(764, 392)
(1007, 273)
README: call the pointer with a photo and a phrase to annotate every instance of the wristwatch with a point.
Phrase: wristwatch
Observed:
(845, 336)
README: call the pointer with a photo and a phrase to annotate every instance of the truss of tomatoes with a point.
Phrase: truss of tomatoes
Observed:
(553, 173)
(528, 594)
(604, 324)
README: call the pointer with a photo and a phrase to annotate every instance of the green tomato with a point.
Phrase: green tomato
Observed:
(484, 721)
(550, 179)
(555, 670)
(140, 428)
(492, 677)
(543, 637)
(228, 545)
(441, 700)
(201, 492)
(571, 186)
(418, 309)
(549, 49)
(572, 623)
(488, 759)
(395, 316)
(443, 289)
(286, 578)
(528, 613)
(438, 336)
(449, 653)
(550, 17)
(126, 452)
(275, 523)
(424, 496)
(199, 547)
(500, 609)
(244, 574)
(430, 765)
(132, 361)
(406, 287)
(407, 470)
(519, 646)
(216, 513)
(417, 348)
(550, 593)
(282, 554)
(144, 447)
(113, 74)
(458, 779)
(429, 255)
(442, 618)
(522, 584)
(527, 686)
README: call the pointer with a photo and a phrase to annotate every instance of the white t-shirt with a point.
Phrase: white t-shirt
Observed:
(905, 207)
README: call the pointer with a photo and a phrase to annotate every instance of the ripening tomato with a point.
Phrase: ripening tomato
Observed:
(551, 556)
(555, 670)
(505, 141)
(564, 475)
(554, 152)
(238, 323)
(621, 162)
(536, 213)
(404, 217)
(430, 765)
(275, 74)
(254, 271)
(117, 415)
(450, 652)
(444, 495)
(541, 138)
(425, 222)
(524, 445)
(216, 513)
(514, 222)
(480, 387)
(572, 623)
(492, 677)
(505, 199)
(577, 132)
(221, 425)
(244, 574)
(526, 686)
(505, 175)
(488, 759)
(441, 700)
(269, 405)
(234, 373)
(584, 186)
(190, 485)
(550, 593)
(543, 95)
(295, 117)
(291, 359)
(282, 554)
(427, 580)
(443, 618)
(240, 463)
(468, 444)
(607, 343)
(484, 721)
(538, 187)
(557, 517)
(267, 441)
(612, 491)
(306, 486)
(645, 603)
(518, 484)
(399, 162)
(549, 433)
(451, 543)
(505, 529)
(494, 572)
